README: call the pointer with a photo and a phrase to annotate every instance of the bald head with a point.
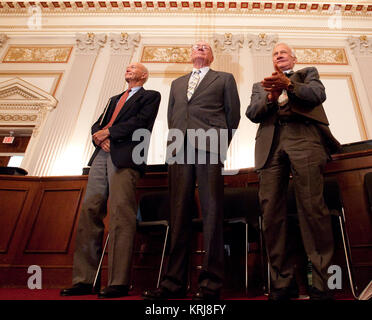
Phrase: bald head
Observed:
(136, 74)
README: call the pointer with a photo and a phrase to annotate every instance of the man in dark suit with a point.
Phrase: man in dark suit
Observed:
(208, 101)
(113, 174)
(293, 138)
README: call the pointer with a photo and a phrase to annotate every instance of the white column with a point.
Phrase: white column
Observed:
(227, 59)
(362, 50)
(47, 155)
(261, 46)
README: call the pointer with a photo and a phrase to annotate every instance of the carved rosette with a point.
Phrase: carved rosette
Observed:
(3, 39)
(89, 43)
(262, 43)
(361, 46)
(123, 43)
(228, 42)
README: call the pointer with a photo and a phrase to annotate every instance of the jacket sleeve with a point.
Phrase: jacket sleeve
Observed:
(232, 103)
(259, 107)
(97, 125)
(143, 119)
(170, 105)
(310, 91)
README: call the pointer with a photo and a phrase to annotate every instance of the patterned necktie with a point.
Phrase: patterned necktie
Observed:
(118, 107)
(193, 83)
(283, 98)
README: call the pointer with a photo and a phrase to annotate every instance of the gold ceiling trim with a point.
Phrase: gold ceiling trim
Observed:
(166, 54)
(326, 56)
(258, 7)
(37, 54)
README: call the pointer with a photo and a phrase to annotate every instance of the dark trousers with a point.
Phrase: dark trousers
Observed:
(298, 149)
(182, 178)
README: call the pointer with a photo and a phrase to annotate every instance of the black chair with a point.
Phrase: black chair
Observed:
(241, 206)
(153, 214)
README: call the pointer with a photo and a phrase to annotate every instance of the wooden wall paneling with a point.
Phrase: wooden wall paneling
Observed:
(16, 199)
(54, 222)
(49, 236)
(12, 202)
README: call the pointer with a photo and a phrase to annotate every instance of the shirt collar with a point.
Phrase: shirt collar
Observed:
(203, 70)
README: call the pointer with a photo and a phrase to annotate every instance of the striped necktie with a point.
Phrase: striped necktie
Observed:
(193, 83)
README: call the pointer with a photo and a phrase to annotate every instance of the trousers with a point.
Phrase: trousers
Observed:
(106, 183)
(297, 149)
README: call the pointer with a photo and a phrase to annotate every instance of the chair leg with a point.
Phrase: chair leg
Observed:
(246, 258)
(162, 256)
(346, 245)
(100, 262)
(268, 278)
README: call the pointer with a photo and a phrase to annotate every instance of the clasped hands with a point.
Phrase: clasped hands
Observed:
(101, 139)
(275, 84)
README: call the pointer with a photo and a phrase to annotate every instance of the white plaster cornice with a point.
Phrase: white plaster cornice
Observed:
(228, 42)
(3, 39)
(22, 103)
(123, 43)
(262, 43)
(89, 43)
(360, 46)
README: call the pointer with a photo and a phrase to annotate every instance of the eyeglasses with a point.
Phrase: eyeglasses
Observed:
(197, 47)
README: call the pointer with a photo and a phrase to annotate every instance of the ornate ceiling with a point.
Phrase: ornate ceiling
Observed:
(358, 8)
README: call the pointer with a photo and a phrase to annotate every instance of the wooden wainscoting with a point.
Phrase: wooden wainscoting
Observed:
(38, 219)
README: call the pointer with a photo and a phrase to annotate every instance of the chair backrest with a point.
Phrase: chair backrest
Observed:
(154, 205)
(242, 202)
(368, 187)
(332, 194)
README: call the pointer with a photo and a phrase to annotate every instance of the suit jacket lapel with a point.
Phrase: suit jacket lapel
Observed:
(184, 84)
(207, 80)
(130, 102)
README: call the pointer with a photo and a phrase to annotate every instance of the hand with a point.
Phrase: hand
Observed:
(100, 135)
(105, 145)
(276, 82)
(273, 95)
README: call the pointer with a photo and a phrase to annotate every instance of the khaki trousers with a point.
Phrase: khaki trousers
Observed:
(119, 185)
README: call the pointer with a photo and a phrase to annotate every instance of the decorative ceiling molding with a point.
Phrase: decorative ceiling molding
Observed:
(287, 7)
(22, 103)
(361, 46)
(37, 54)
(3, 39)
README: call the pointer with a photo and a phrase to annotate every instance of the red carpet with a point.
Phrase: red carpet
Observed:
(53, 294)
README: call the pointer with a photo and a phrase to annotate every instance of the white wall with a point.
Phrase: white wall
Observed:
(347, 106)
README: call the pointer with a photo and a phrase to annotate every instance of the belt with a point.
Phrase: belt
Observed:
(282, 121)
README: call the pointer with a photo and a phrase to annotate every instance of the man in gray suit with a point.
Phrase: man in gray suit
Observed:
(293, 138)
(113, 174)
(207, 101)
